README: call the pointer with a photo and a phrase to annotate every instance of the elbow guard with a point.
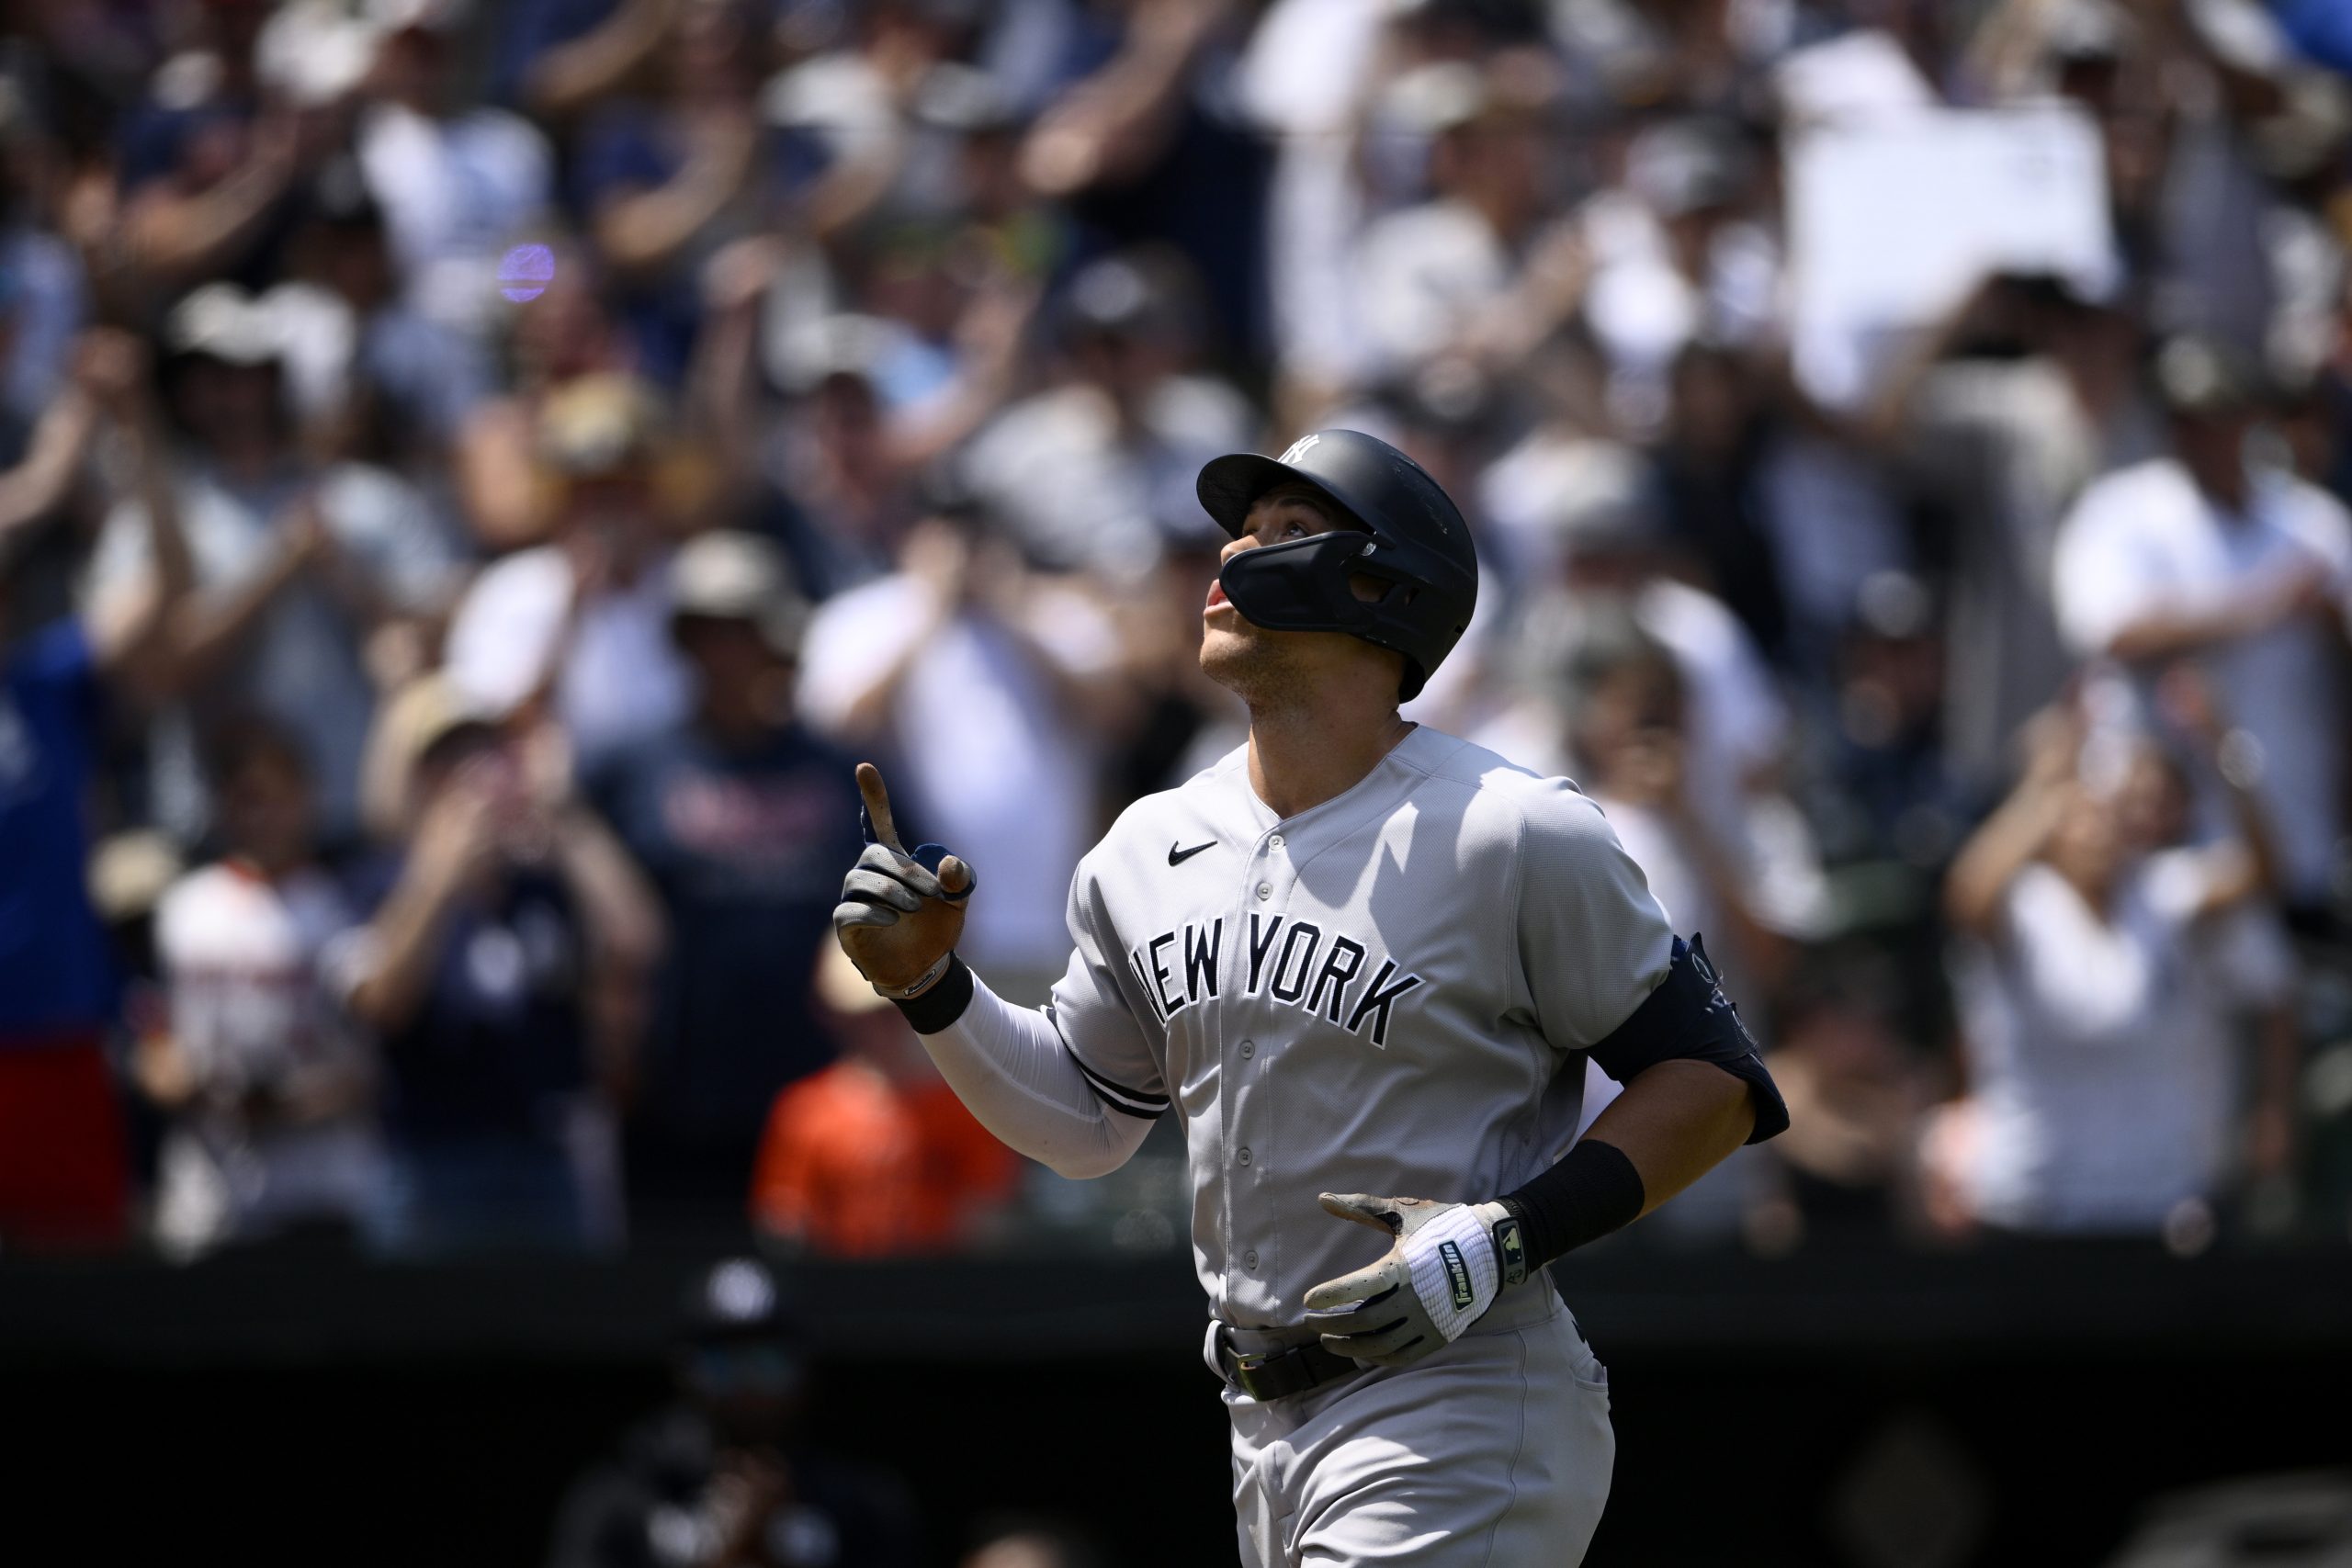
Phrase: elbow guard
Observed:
(1688, 1018)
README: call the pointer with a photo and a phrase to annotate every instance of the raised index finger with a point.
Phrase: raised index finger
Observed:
(877, 807)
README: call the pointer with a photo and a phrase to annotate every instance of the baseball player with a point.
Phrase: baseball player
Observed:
(1363, 962)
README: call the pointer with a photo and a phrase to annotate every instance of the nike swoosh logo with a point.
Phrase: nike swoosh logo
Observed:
(1178, 857)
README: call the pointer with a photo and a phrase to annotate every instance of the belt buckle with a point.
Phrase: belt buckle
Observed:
(1246, 1366)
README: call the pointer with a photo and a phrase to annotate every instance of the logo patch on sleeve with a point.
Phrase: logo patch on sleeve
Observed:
(1457, 1274)
(1511, 1247)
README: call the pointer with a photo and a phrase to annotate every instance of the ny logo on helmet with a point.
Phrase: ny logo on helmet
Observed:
(1301, 447)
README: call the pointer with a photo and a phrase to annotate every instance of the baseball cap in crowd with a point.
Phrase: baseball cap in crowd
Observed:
(1686, 165)
(729, 576)
(1599, 499)
(314, 52)
(741, 1336)
(1128, 297)
(1517, 87)
(964, 101)
(2085, 32)
(607, 428)
(1431, 99)
(430, 715)
(2197, 376)
(804, 355)
(221, 320)
(599, 425)
(129, 872)
(737, 1298)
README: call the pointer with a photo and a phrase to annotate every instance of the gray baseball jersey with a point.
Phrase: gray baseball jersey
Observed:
(1387, 993)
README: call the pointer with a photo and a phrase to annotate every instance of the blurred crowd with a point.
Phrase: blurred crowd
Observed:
(473, 477)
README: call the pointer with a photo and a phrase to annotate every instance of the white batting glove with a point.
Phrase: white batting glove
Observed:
(1447, 1266)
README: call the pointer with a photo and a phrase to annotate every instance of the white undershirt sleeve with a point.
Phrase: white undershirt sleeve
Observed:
(1010, 1067)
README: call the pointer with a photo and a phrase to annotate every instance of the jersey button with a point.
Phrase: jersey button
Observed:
(1243, 1157)
(1265, 890)
(1249, 1049)
(1249, 1258)
(1276, 841)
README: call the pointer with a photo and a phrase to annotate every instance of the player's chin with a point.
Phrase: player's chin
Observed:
(1232, 650)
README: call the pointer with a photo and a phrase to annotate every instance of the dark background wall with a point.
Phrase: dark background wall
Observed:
(1797, 1414)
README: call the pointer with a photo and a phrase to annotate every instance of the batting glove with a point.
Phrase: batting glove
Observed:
(900, 914)
(1446, 1267)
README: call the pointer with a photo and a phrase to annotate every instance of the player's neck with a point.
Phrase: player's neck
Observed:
(1303, 754)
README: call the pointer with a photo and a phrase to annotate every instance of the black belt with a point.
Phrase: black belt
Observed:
(1282, 1372)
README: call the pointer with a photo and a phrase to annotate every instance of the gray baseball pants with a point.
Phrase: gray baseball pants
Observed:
(1492, 1452)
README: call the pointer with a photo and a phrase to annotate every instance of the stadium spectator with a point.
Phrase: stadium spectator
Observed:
(555, 58)
(2027, 393)
(1142, 143)
(2246, 980)
(2214, 553)
(567, 332)
(499, 970)
(63, 1169)
(2100, 1062)
(858, 115)
(302, 567)
(1713, 457)
(371, 377)
(1485, 269)
(1093, 472)
(874, 1155)
(457, 181)
(270, 1094)
(666, 178)
(1743, 876)
(732, 1475)
(1858, 1091)
(1592, 541)
(580, 626)
(740, 817)
(831, 466)
(44, 296)
(212, 161)
(1888, 788)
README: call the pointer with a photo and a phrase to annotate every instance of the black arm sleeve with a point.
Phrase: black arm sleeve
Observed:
(1688, 1018)
(1591, 1191)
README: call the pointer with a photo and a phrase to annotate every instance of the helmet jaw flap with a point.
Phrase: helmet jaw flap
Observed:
(1307, 585)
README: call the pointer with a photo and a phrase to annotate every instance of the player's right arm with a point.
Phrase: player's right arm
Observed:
(898, 920)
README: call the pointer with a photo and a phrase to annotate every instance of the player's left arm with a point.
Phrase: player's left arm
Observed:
(1648, 1007)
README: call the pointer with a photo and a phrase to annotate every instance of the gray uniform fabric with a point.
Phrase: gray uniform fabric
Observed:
(1493, 1452)
(1388, 993)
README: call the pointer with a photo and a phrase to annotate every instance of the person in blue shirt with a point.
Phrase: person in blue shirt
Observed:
(63, 1171)
(733, 814)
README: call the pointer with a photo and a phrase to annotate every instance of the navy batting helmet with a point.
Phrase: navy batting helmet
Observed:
(1413, 540)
